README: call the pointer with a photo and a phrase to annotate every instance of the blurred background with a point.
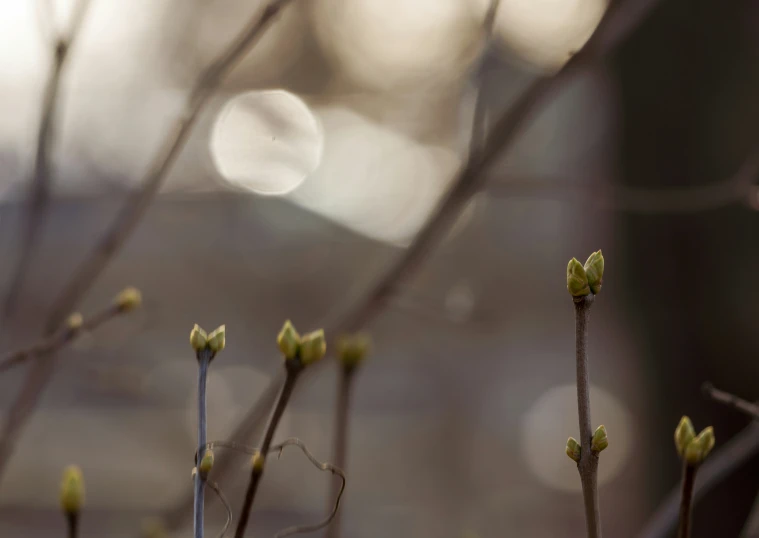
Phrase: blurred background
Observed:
(309, 172)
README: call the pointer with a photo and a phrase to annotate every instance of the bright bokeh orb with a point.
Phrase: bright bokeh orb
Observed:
(553, 418)
(385, 44)
(374, 180)
(266, 142)
(544, 33)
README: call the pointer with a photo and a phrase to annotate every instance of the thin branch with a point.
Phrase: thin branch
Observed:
(686, 500)
(340, 445)
(322, 466)
(204, 360)
(293, 368)
(603, 194)
(620, 19)
(718, 467)
(39, 185)
(730, 400)
(57, 341)
(215, 487)
(128, 218)
(588, 464)
(72, 524)
(479, 119)
(27, 399)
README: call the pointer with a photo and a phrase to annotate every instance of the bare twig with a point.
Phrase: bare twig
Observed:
(617, 25)
(686, 500)
(204, 357)
(215, 487)
(72, 524)
(294, 368)
(27, 399)
(322, 466)
(720, 465)
(479, 120)
(588, 464)
(342, 411)
(730, 400)
(129, 216)
(39, 185)
(57, 341)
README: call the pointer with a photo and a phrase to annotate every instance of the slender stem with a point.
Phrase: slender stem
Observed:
(340, 448)
(588, 465)
(293, 368)
(204, 360)
(127, 219)
(686, 500)
(39, 188)
(72, 523)
(721, 464)
(730, 400)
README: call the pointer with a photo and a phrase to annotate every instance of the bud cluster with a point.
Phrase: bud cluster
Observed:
(691, 447)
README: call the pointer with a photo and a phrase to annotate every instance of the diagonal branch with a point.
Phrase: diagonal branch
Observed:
(128, 218)
(134, 209)
(730, 400)
(39, 187)
(73, 330)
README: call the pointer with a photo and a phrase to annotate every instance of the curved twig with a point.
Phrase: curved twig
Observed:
(322, 466)
(215, 487)
(128, 218)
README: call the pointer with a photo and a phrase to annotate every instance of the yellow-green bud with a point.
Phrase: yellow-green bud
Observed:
(600, 441)
(288, 340)
(594, 270)
(698, 449)
(257, 461)
(198, 338)
(74, 321)
(129, 299)
(573, 449)
(217, 339)
(72, 490)
(206, 463)
(684, 434)
(352, 349)
(577, 280)
(313, 346)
